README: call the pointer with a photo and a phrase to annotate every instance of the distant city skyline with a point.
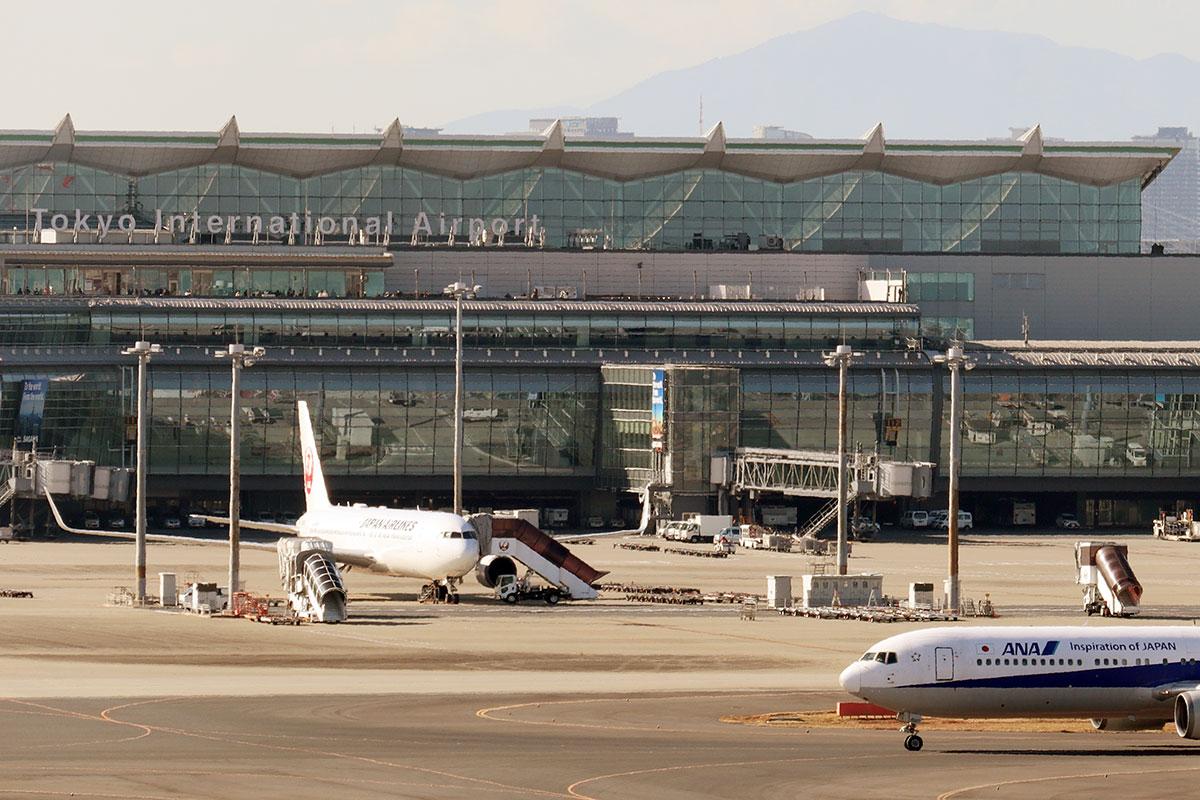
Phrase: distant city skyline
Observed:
(354, 65)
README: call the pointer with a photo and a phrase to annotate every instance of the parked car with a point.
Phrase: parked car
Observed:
(936, 518)
(863, 529)
(1067, 521)
(171, 521)
(91, 520)
(965, 521)
(116, 521)
(195, 518)
(595, 522)
(1137, 454)
(915, 519)
(731, 535)
(266, 516)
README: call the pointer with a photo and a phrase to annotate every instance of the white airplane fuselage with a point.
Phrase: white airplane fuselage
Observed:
(402, 542)
(1029, 671)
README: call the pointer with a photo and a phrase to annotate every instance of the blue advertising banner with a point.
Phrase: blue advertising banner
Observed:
(29, 415)
(657, 417)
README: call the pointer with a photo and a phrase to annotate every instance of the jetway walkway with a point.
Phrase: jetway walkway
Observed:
(516, 539)
(814, 473)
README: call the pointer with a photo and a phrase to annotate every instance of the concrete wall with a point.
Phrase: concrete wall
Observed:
(774, 276)
(1083, 297)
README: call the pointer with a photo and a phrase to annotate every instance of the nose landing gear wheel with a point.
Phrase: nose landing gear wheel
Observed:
(913, 743)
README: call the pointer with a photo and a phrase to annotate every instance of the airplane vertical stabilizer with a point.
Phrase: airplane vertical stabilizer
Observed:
(315, 494)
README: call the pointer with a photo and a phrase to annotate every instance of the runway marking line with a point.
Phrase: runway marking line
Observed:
(1107, 773)
(495, 785)
(734, 636)
(210, 773)
(571, 789)
(487, 713)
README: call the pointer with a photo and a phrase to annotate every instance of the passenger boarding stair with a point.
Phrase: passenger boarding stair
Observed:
(312, 579)
(826, 515)
(1109, 586)
(516, 539)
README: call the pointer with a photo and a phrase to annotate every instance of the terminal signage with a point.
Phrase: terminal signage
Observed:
(657, 417)
(295, 224)
(29, 414)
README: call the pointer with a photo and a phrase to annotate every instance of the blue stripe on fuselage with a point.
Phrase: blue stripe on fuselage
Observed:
(1145, 675)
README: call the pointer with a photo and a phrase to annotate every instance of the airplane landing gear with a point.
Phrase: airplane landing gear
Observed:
(443, 591)
(913, 741)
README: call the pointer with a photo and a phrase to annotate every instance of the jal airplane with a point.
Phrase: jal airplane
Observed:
(433, 545)
(1122, 678)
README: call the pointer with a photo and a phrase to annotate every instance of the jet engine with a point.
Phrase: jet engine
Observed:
(1187, 704)
(490, 568)
(1128, 723)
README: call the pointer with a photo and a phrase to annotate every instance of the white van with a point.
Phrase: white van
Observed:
(915, 519)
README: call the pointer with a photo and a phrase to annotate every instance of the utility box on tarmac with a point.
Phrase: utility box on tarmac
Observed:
(779, 591)
(842, 590)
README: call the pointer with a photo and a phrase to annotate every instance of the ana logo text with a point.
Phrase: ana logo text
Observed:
(1030, 648)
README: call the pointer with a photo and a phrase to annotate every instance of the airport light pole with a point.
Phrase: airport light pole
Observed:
(458, 290)
(956, 362)
(841, 358)
(239, 358)
(143, 350)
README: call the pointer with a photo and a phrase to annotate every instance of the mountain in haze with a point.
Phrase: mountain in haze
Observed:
(922, 81)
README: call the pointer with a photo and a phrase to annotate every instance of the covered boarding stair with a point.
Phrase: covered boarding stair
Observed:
(505, 542)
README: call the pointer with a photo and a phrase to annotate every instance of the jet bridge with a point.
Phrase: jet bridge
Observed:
(505, 542)
(814, 473)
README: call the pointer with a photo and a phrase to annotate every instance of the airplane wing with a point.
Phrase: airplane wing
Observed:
(354, 558)
(150, 537)
(272, 527)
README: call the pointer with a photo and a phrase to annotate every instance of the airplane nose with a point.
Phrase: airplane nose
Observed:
(851, 678)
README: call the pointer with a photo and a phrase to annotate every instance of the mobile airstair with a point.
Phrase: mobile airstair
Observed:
(312, 579)
(522, 543)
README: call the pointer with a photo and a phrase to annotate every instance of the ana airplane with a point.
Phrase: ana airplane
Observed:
(1122, 678)
(433, 545)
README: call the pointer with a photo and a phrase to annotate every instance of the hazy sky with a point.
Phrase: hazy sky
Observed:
(321, 65)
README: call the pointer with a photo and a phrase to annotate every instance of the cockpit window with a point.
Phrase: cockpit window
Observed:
(868, 657)
(891, 658)
(452, 534)
(468, 534)
(881, 657)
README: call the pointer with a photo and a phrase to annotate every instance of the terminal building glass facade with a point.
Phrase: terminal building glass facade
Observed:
(851, 211)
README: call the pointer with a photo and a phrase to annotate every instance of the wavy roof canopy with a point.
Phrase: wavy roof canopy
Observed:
(306, 155)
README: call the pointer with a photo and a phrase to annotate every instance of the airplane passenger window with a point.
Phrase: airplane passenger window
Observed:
(979, 662)
(1124, 662)
(1025, 662)
(1164, 661)
(1006, 662)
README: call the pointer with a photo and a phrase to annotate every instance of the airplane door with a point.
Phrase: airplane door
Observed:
(943, 663)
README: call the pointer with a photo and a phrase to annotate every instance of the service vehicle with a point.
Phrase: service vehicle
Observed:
(1066, 521)
(696, 528)
(1136, 454)
(91, 520)
(513, 590)
(915, 519)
